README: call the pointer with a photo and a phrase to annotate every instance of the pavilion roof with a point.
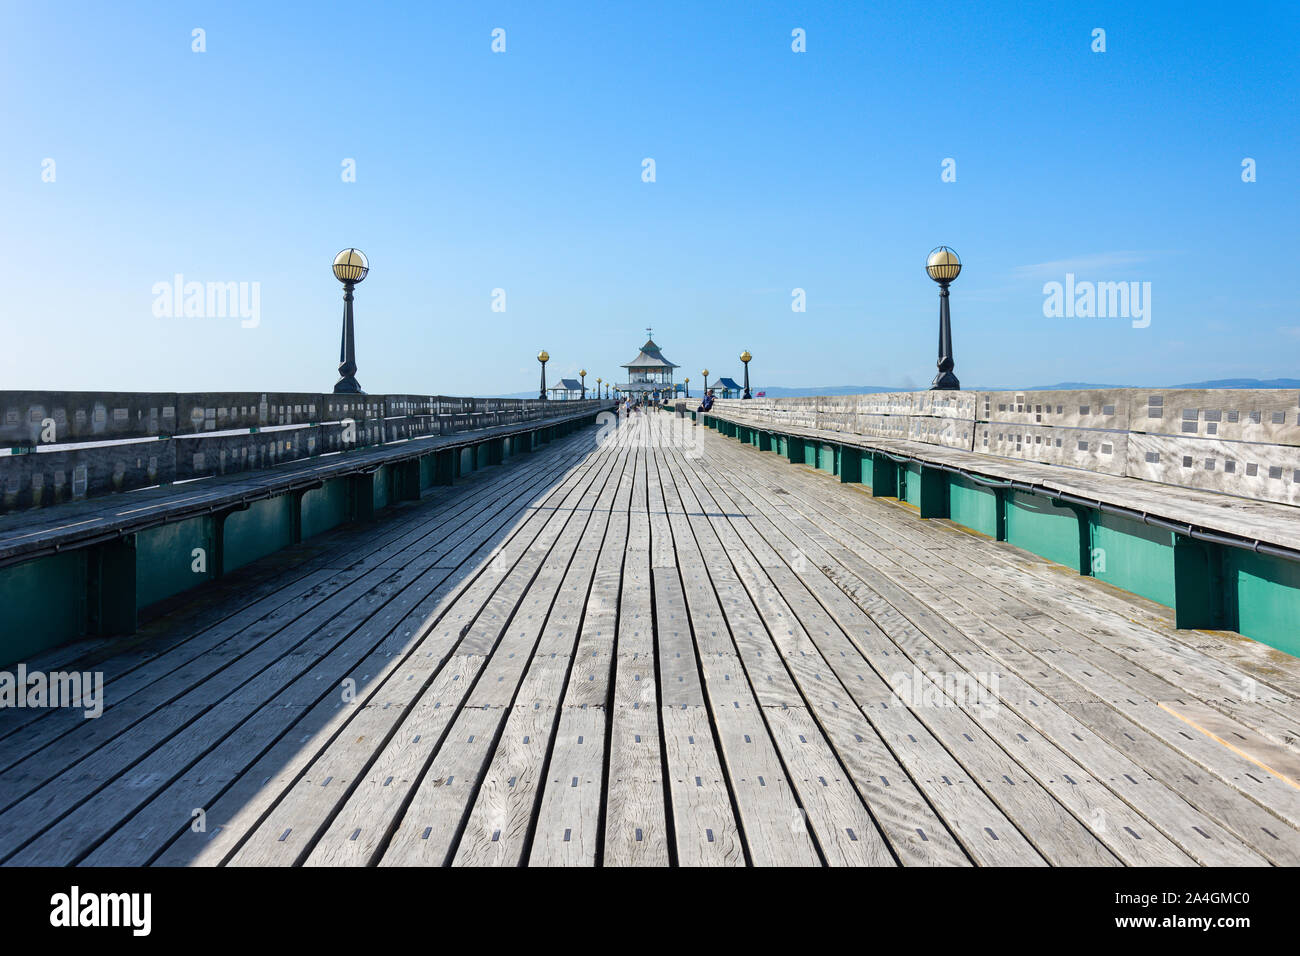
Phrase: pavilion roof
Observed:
(650, 357)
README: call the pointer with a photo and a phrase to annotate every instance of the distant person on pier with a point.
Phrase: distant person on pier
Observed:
(706, 404)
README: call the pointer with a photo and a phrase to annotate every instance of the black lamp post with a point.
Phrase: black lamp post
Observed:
(543, 356)
(582, 373)
(943, 266)
(706, 381)
(687, 384)
(746, 357)
(350, 267)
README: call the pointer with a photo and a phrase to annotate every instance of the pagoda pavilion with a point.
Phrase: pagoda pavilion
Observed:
(649, 373)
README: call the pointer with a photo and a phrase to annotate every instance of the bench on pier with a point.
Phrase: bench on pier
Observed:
(115, 501)
(1187, 497)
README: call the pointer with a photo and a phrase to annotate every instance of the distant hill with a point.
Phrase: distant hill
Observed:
(1060, 387)
(1247, 383)
(1217, 383)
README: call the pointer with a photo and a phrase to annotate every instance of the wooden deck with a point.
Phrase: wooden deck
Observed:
(637, 655)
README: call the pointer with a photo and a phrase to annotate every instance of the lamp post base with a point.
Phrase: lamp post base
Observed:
(347, 385)
(945, 382)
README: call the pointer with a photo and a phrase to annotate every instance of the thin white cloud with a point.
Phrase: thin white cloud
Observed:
(1097, 262)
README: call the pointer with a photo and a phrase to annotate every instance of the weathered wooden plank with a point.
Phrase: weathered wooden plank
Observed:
(1220, 843)
(497, 832)
(1001, 841)
(636, 828)
(835, 812)
(220, 642)
(1050, 771)
(703, 821)
(389, 692)
(568, 832)
(430, 826)
(493, 628)
(636, 814)
(765, 802)
(787, 671)
(1125, 670)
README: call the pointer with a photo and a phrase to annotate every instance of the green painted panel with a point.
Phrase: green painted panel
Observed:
(826, 458)
(382, 487)
(1036, 525)
(466, 461)
(911, 475)
(973, 506)
(266, 527)
(165, 561)
(1133, 556)
(325, 507)
(1263, 593)
(885, 477)
(1267, 594)
(44, 604)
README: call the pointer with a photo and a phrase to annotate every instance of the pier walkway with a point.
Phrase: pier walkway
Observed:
(649, 651)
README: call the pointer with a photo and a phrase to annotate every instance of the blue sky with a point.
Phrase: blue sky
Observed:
(522, 171)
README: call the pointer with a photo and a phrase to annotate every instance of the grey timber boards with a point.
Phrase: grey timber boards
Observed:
(472, 628)
(166, 750)
(631, 654)
(205, 633)
(1040, 638)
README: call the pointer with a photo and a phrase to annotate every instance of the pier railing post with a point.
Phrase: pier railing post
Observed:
(444, 469)
(111, 588)
(850, 465)
(884, 477)
(794, 450)
(1198, 585)
(934, 493)
(408, 480)
(361, 495)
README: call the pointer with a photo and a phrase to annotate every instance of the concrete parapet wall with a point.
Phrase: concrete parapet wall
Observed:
(1243, 442)
(68, 446)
